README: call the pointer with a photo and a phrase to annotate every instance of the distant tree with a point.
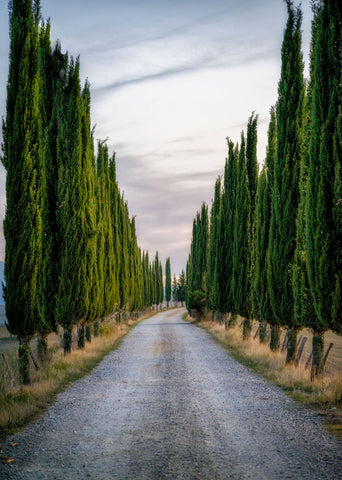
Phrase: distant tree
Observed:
(181, 288)
(197, 262)
(136, 273)
(23, 160)
(146, 280)
(168, 281)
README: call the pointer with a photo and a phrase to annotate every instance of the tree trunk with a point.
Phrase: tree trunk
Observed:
(42, 347)
(24, 363)
(80, 340)
(67, 338)
(262, 331)
(317, 366)
(96, 328)
(88, 333)
(291, 345)
(247, 329)
(232, 320)
(275, 338)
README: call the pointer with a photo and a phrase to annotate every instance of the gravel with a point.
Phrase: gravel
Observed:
(170, 403)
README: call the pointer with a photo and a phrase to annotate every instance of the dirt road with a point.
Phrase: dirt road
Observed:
(171, 404)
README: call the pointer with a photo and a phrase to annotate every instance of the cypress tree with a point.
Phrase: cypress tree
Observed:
(136, 280)
(252, 162)
(73, 294)
(23, 160)
(227, 220)
(124, 277)
(323, 200)
(239, 288)
(197, 262)
(260, 298)
(146, 280)
(114, 205)
(51, 66)
(181, 288)
(252, 177)
(168, 281)
(258, 254)
(285, 195)
(214, 240)
(106, 258)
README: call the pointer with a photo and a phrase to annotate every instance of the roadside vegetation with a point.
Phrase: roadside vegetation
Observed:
(324, 394)
(269, 250)
(20, 404)
(72, 254)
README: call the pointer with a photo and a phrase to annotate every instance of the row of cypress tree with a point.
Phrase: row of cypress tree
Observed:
(273, 252)
(72, 255)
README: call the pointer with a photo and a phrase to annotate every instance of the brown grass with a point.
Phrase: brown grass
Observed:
(323, 394)
(21, 404)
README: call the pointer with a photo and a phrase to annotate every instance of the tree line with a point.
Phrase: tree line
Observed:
(271, 249)
(72, 255)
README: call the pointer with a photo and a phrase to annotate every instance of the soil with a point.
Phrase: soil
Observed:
(170, 403)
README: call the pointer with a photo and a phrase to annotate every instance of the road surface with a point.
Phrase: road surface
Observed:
(170, 403)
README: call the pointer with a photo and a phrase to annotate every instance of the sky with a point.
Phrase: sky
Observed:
(170, 81)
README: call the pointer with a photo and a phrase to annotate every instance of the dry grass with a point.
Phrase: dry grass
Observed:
(21, 404)
(323, 394)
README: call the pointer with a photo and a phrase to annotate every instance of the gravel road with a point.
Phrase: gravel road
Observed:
(171, 404)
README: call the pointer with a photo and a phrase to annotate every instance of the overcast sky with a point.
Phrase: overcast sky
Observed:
(170, 80)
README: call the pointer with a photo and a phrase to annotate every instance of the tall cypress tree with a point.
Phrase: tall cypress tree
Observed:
(136, 280)
(106, 258)
(214, 241)
(72, 200)
(114, 206)
(252, 177)
(23, 160)
(227, 221)
(285, 195)
(239, 288)
(197, 262)
(323, 200)
(53, 64)
(124, 228)
(168, 281)
(260, 298)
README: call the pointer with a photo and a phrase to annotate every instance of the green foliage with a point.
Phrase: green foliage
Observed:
(323, 206)
(23, 160)
(179, 288)
(197, 301)
(285, 191)
(239, 287)
(197, 263)
(214, 245)
(260, 298)
(168, 280)
(227, 221)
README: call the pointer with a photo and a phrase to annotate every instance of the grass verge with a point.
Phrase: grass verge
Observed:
(19, 405)
(324, 395)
